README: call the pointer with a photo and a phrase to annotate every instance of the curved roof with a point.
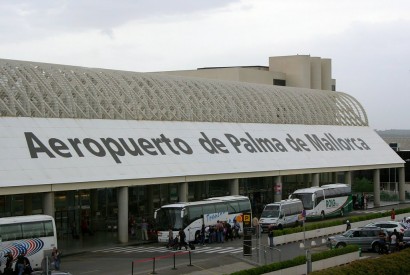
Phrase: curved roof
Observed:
(29, 89)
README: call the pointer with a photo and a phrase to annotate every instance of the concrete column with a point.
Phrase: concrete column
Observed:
(28, 204)
(123, 214)
(48, 204)
(183, 192)
(402, 194)
(376, 187)
(348, 178)
(315, 179)
(277, 189)
(234, 187)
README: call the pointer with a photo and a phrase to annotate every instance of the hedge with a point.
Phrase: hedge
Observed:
(323, 224)
(300, 260)
(394, 264)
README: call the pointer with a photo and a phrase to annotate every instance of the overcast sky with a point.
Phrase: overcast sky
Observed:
(367, 40)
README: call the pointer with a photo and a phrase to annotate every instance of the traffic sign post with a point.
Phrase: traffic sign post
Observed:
(248, 230)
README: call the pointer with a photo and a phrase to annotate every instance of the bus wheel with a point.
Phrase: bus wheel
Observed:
(280, 227)
(322, 215)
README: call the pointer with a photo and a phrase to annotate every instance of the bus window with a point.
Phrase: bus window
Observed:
(233, 207)
(48, 227)
(167, 217)
(209, 208)
(221, 207)
(33, 230)
(319, 197)
(195, 212)
(11, 232)
(244, 206)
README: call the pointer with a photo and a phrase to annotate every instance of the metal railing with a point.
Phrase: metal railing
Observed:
(154, 260)
(262, 254)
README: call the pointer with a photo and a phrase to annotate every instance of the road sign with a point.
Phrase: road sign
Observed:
(247, 219)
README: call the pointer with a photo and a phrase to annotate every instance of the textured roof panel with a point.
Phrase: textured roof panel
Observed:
(29, 89)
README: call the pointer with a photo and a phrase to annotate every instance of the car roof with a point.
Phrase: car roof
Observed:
(392, 222)
(368, 227)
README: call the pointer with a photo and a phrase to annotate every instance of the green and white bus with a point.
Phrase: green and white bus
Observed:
(325, 201)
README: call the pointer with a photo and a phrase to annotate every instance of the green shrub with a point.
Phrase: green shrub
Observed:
(362, 185)
(396, 263)
(299, 260)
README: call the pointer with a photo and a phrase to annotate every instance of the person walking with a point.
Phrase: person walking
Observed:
(144, 230)
(202, 235)
(56, 258)
(182, 241)
(393, 215)
(255, 223)
(8, 270)
(19, 267)
(170, 238)
(271, 236)
(348, 226)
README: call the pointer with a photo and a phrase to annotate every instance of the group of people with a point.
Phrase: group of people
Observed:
(23, 266)
(178, 241)
(360, 201)
(132, 224)
(218, 233)
(391, 243)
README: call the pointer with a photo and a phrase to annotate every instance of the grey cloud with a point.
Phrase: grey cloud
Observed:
(30, 19)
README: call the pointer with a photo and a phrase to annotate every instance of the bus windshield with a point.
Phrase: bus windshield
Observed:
(306, 199)
(168, 218)
(270, 211)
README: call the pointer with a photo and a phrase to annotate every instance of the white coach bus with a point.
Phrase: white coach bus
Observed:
(31, 235)
(190, 216)
(325, 201)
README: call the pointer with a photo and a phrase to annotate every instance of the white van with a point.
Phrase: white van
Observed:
(281, 214)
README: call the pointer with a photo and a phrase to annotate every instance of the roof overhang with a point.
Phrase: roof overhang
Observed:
(67, 154)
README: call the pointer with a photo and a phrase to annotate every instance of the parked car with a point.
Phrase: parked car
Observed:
(389, 226)
(406, 238)
(365, 237)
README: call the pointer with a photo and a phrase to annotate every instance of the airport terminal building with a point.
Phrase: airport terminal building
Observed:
(81, 142)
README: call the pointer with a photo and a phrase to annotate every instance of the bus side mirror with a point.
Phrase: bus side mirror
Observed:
(182, 213)
(155, 215)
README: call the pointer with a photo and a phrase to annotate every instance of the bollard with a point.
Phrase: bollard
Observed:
(190, 263)
(153, 266)
(132, 269)
(360, 252)
(174, 268)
